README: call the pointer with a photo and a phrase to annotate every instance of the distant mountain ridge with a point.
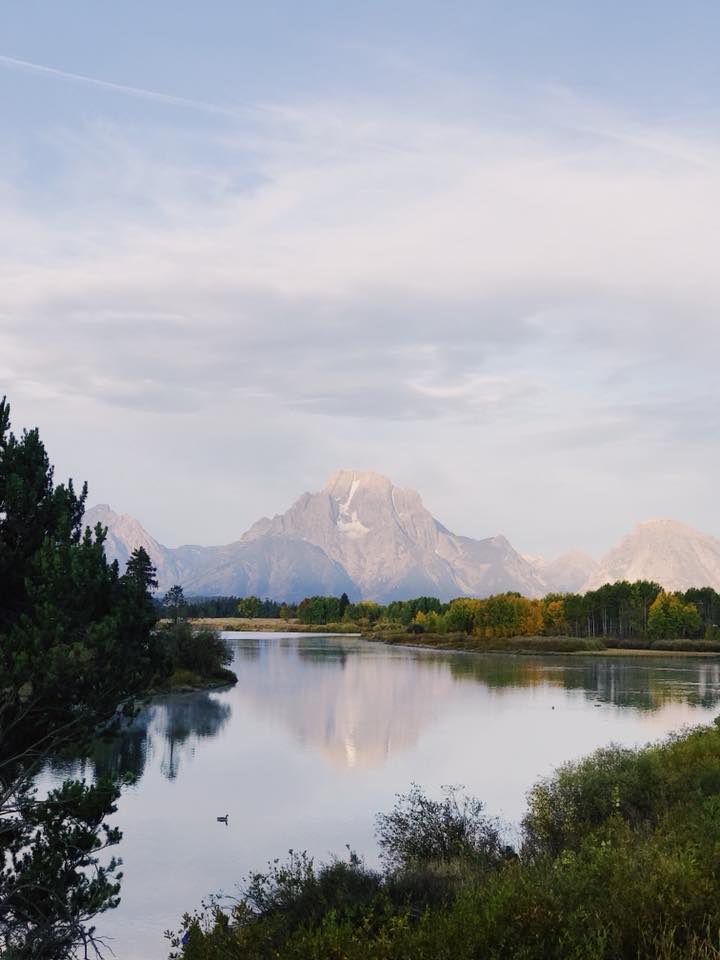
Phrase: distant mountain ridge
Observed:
(360, 534)
(673, 554)
(365, 536)
(286, 569)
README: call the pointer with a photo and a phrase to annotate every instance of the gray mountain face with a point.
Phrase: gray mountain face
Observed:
(567, 573)
(392, 547)
(289, 569)
(366, 537)
(672, 554)
(125, 534)
(360, 535)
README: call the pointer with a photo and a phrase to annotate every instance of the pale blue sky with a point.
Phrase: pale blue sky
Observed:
(470, 245)
(658, 55)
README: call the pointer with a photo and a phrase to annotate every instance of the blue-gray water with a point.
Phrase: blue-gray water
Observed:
(320, 733)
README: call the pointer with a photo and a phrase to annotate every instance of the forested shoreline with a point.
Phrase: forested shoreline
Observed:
(617, 614)
(622, 611)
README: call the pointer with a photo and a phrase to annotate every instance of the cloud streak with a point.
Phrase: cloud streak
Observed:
(236, 113)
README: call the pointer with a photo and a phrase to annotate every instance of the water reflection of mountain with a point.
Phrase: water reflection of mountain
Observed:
(357, 708)
(171, 725)
(644, 683)
(359, 703)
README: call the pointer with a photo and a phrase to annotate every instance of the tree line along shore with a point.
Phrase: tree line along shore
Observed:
(639, 616)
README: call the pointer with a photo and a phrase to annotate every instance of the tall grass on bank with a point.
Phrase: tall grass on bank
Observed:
(619, 859)
(540, 644)
(463, 641)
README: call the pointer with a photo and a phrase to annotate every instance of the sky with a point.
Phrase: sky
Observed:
(470, 245)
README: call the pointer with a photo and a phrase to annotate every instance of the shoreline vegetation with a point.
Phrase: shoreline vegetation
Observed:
(640, 617)
(194, 657)
(524, 646)
(463, 643)
(187, 681)
(615, 859)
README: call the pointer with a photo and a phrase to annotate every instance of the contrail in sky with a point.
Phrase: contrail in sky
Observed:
(13, 63)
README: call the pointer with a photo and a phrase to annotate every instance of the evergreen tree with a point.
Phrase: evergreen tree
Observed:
(344, 604)
(174, 602)
(75, 643)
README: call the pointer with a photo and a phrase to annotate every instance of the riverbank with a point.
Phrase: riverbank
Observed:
(187, 681)
(462, 642)
(270, 625)
(184, 681)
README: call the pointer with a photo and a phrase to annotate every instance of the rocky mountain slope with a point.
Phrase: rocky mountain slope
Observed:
(359, 534)
(671, 553)
(285, 569)
(565, 574)
(392, 547)
(365, 536)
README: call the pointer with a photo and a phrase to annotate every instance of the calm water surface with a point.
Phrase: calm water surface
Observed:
(320, 733)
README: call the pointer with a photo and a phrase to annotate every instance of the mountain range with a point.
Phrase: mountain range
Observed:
(365, 536)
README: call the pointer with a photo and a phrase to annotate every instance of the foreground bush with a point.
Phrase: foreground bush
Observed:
(420, 830)
(618, 860)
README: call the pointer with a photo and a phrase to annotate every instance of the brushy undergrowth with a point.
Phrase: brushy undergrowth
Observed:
(619, 859)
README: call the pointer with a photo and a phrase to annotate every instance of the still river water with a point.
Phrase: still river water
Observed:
(320, 733)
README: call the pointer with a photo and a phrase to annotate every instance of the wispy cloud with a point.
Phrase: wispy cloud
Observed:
(239, 112)
(471, 296)
(440, 270)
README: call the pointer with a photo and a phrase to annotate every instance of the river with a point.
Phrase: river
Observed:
(320, 733)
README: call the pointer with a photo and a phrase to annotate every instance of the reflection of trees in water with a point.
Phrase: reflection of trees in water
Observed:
(249, 647)
(359, 706)
(331, 651)
(187, 717)
(641, 683)
(169, 723)
(648, 686)
(124, 753)
(502, 671)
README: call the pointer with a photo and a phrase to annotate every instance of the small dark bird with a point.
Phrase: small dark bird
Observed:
(223, 819)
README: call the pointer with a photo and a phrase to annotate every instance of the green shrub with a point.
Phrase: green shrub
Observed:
(300, 893)
(420, 830)
(200, 650)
